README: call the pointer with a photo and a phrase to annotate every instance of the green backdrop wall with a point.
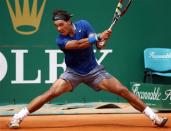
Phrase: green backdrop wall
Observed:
(147, 24)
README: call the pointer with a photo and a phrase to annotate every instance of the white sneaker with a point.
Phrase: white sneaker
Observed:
(15, 122)
(160, 121)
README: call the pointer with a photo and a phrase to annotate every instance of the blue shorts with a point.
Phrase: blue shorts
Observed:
(91, 79)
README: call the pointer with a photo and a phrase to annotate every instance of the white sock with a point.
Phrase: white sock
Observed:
(22, 113)
(149, 113)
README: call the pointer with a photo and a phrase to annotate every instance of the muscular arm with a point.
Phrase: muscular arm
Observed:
(84, 43)
(78, 44)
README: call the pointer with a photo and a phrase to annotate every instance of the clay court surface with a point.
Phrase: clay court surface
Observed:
(87, 122)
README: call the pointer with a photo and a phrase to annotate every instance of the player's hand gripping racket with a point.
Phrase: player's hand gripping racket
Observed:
(121, 9)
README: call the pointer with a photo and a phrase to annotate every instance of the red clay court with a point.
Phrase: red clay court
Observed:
(87, 122)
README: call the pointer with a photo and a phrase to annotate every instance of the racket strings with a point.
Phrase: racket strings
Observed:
(118, 11)
(121, 8)
(118, 8)
(125, 6)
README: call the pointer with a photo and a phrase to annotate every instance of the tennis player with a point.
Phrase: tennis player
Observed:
(77, 41)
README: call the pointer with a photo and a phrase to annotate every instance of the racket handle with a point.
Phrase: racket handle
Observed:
(110, 28)
(113, 23)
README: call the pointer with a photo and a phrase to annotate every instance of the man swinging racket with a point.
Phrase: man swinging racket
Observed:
(77, 40)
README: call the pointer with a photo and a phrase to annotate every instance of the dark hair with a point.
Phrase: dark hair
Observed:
(59, 14)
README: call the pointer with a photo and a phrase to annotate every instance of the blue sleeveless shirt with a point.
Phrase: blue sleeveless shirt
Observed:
(81, 61)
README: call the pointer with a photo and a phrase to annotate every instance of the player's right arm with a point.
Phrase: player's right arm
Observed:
(85, 42)
(78, 44)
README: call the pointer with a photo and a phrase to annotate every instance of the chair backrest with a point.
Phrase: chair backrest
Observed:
(157, 59)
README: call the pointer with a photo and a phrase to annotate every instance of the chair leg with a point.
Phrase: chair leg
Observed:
(145, 77)
(151, 77)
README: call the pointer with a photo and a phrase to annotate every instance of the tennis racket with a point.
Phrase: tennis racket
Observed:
(121, 9)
